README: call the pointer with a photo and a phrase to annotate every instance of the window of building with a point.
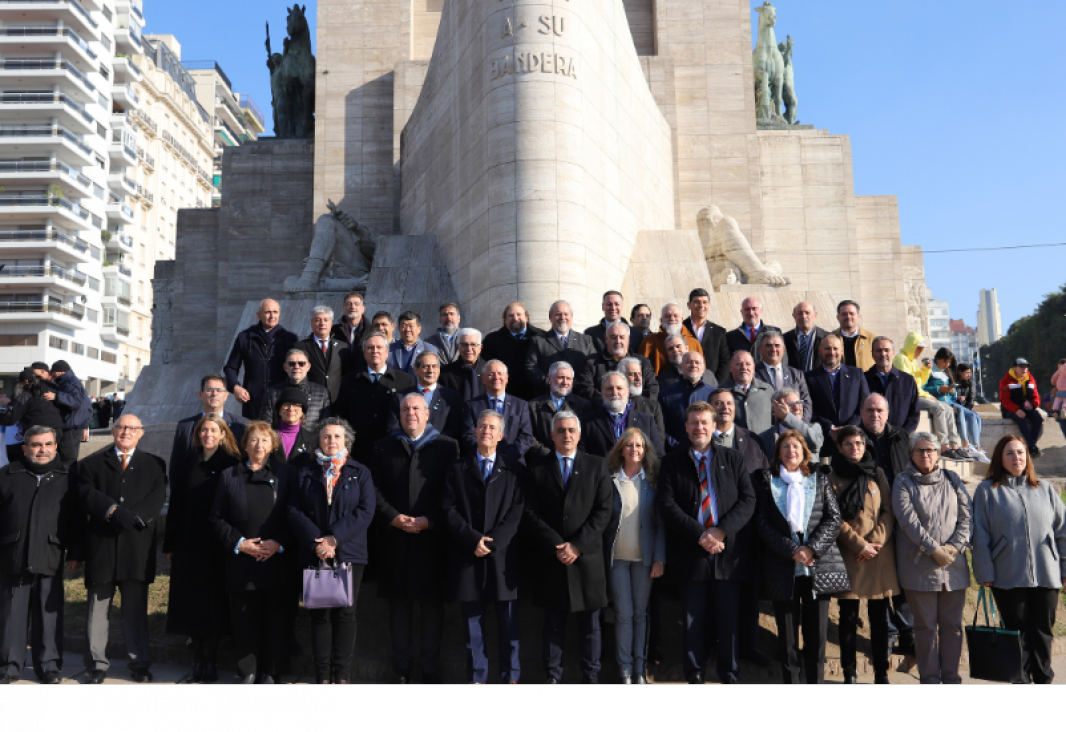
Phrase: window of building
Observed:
(108, 357)
(57, 342)
(77, 349)
(94, 352)
(18, 340)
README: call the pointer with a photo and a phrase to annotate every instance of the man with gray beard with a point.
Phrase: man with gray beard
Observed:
(616, 337)
(653, 347)
(603, 425)
(632, 368)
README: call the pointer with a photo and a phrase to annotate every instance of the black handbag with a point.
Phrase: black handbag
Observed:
(995, 652)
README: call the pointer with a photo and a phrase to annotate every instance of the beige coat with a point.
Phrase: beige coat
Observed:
(875, 579)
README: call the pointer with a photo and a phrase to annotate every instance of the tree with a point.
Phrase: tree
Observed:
(1039, 338)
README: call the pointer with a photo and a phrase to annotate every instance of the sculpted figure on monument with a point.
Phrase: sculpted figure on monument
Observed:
(342, 253)
(162, 344)
(730, 258)
(769, 65)
(292, 79)
(789, 89)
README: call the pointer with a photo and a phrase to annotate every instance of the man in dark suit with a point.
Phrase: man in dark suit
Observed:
(543, 409)
(510, 344)
(773, 371)
(445, 339)
(445, 405)
(329, 356)
(608, 359)
(483, 505)
(753, 398)
(676, 398)
(463, 375)
(261, 350)
(640, 322)
(746, 337)
(40, 515)
(367, 396)
(899, 389)
(517, 430)
(633, 369)
(559, 344)
(711, 336)
(602, 426)
(122, 490)
(612, 314)
(213, 397)
(706, 501)
(837, 391)
(353, 327)
(409, 470)
(803, 341)
(568, 506)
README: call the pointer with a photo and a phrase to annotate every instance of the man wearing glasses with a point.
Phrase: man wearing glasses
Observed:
(297, 365)
(213, 395)
(122, 490)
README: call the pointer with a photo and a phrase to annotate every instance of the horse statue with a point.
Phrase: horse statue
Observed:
(769, 69)
(789, 89)
(292, 79)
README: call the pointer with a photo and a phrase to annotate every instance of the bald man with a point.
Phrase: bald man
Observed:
(746, 337)
(802, 343)
(261, 350)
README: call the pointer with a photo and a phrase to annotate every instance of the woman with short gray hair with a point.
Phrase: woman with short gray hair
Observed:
(934, 523)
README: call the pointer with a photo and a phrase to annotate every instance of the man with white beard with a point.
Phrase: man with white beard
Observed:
(632, 368)
(616, 337)
(560, 398)
(604, 424)
(653, 347)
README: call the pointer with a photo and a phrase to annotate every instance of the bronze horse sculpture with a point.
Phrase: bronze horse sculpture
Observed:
(292, 79)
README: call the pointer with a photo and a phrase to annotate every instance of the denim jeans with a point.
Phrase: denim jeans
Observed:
(630, 584)
(969, 425)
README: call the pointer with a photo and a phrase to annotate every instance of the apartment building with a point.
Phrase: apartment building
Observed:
(964, 342)
(939, 323)
(59, 89)
(235, 117)
(989, 323)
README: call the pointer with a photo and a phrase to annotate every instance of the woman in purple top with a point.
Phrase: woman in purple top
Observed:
(297, 438)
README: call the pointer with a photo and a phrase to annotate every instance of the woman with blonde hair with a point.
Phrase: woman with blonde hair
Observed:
(1019, 550)
(198, 606)
(634, 545)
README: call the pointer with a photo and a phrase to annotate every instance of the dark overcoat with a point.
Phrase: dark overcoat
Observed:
(366, 405)
(597, 435)
(111, 553)
(347, 517)
(474, 509)
(541, 412)
(411, 483)
(262, 362)
(39, 519)
(554, 516)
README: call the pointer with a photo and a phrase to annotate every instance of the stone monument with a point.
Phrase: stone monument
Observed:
(534, 149)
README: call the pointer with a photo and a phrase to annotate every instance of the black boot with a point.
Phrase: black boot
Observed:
(850, 677)
(197, 675)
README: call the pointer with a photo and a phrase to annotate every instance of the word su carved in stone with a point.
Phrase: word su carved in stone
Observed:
(531, 63)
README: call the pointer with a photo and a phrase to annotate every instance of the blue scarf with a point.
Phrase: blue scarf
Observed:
(427, 437)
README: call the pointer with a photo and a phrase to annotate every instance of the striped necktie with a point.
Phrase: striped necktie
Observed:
(805, 352)
(707, 507)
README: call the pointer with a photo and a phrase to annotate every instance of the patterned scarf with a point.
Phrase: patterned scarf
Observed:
(331, 470)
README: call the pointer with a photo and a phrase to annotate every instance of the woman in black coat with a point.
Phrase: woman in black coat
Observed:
(249, 519)
(798, 520)
(330, 513)
(298, 439)
(198, 604)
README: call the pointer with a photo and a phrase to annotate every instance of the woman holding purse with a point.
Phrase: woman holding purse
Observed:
(330, 513)
(1019, 550)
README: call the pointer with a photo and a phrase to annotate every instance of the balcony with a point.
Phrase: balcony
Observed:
(18, 74)
(117, 268)
(125, 70)
(47, 40)
(52, 276)
(19, 242)
(115, 333)
(118, 210)
(252, 116)
(37, 105)
(71, 315)
(148, 160)
(71, 12)
(42, 141)
(119, 179)
(26, 205)
(121, 152)
(45, 172)
(123, 96)
(127, 40)
(148, 124)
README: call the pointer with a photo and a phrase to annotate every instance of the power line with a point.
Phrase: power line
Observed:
(991, 249)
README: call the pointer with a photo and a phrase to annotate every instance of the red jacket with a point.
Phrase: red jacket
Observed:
(1011, 396)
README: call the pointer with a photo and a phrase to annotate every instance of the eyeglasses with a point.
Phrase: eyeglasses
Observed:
(301, 364)
(214, 390)
(128, 429)
(926, 450)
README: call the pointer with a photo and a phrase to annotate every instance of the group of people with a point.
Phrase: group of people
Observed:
(577, 470)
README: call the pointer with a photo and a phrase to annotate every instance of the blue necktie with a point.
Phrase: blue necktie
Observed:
(805, 355)
(486, 470)
(497, 404)
(566, 473)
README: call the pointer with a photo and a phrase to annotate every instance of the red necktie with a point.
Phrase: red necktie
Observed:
(425, 391)
(325, 345)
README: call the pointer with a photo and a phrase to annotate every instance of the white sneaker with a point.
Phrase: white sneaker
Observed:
(977, 454)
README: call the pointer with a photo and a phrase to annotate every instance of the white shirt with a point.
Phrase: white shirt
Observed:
(698, 331)
(322, 342)
(776, 375)
(129, 454)
(727, 435)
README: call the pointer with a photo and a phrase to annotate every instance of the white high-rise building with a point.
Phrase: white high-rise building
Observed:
(939, 323)
(61, 297)
(989, 325)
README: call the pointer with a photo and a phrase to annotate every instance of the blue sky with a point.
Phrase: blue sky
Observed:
(957, 108)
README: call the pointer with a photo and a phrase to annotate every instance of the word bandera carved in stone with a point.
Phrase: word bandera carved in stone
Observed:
(532, 62)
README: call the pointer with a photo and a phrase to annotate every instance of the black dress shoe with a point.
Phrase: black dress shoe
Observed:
(197, 676)
(757, 657)
(850, 679)
(695, 679)
(552, 680)
(51, 677)
(210, 672)
(431, 679)
(403, 678)
(882, 679)
(730, 680)
(5, 679)
(589, 680)
(249, 679)
(265, 679)
(141, 676)
(95, 676)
